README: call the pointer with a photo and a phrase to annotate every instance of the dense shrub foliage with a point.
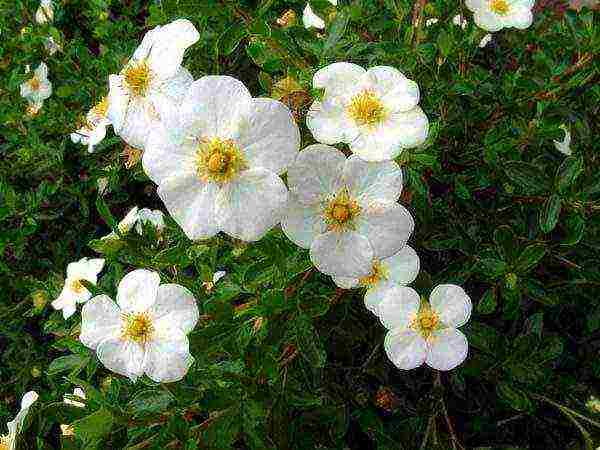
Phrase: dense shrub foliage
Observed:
(284, 358)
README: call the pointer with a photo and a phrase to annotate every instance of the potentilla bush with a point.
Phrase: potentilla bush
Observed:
(291, 225)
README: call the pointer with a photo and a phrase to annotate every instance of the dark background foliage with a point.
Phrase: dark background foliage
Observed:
(283, 358)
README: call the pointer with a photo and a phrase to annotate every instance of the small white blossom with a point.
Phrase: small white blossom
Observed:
(460, 21)
(564, 146)
(74, 291)
(374, 111)
(77, 392)
(45, 12)
(37, 89)
(9, 441)
(219, 170)
(94, 129)
(145, 331)
(51, 46)
(431, 21)
(425, 332)
(345, 210)
(493, 15)
(485, 40)
(311, 20)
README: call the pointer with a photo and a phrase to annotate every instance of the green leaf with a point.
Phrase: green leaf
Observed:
(492, 267)
(336, 31)
(574, 226)
(151, 402)
(514, 397)
(568, 172)
(528, 176)
(445, 43)
(550, 213)
(70, 363)
(487, 304)
(105, 213)
(94, 427)
(231, 38)
(529, 257)
(505, 239)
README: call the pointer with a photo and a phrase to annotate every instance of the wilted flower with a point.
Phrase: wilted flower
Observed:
(67, 430)
(564, 146)
(94, 129)
(152, 83)
(287, 19)
(345, 210)
(219, 171)
(45, 12)
(74, 291)
(145, 331)
(374, 111)
(425, 332)
(79, 393)
(460, 21)
(9, 441)
(485, 40)
(493, 15)
(399, 269)
(37, 89)
(310, 19)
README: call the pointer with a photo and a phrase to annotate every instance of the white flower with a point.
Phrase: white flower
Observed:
(77, 392)
(432, 21)
(94, 129)
(145, 331)
(51, 46)
(74, 291)
(152, 83)
(493, 15)
(153, 217)
(425, 332)
(45, 12)
(485, 40)
(220, 173)
(311, 20)
(459, 21)
(38, 88)
(345, 210)
(9, 441)
(564, 146)
(375, 112)
(399, 269)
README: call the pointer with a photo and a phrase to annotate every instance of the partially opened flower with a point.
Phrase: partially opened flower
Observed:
(45, 12)
(74, 291)
(152, 83)
(145, 331)
(345, 210)
(219, 171)
(425, 332)
(37, 89)
(94, 129)
(399, 269)
(77, 393)
(564, 146)
(310, 19)
(9, 441)
(374, 111)
(493, 15)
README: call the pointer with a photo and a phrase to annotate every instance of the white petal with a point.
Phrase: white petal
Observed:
(310, 19)
(155, 218)
(346, 282)
(100, 318)
(137, 290)
(520, 17)
(341, 78)
(86, 269)
(129, 220)
(218, 275)
(140, 117)
(398, 306)
(169, 45)
(488, 21)
(397, 92)
(373, 181)
(485, 40)
(118, 99)
(175, 306)
(375, 295)
(191, 203)
(476, 5)
(164, 158)
(564, 146)
(403, 266)
(41, 72)
(302, 223)
(346, 254)
(452, 304)
(405, 348)
(269, 137)
(251, 205)
(122, 356)
(143, 50)
(316, 173)
(29, 399)
(67, 300)
(329, 123)
(447, 349)
(387, 226)
(14, 426)
(167, 357)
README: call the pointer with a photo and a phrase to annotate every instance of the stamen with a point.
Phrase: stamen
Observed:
(341, 212)
(219, 160)
(426, 321)
(499, 6)
(379, 272)
(76, 286)
(137, 77)
(366, 108)
(137, 327)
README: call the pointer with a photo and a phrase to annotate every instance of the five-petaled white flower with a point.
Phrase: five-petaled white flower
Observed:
(74, 291)
(152, 83)
(425, 332)
(9, 441)
(37, 89)
(77, 393)
(219, 170)
(564, 146)
(345, 210)
(399, 269)
(310, 19)
(45, 12)
(94, 129)
(145, 331)
(493, 15)
(374, 111)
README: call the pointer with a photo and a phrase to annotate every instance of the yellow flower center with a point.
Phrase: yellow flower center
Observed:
(426, 322)
(35, 83)
(5, 442)
(499, 6)
(138, 327)
(137, 77)
(366, 108)
(76, 286)
(219, 160)
(101, 108)
(378, 272)
(341, 211)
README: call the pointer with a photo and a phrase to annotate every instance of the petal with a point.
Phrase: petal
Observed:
(476, 5)
(310, 19)
(398, 307)
(316, 173)
(269, 137)
(118, 99)
(341, 78)
(191, 203)
(405, 348)
(175, 306)
(41, 72)
(100, 318)
(214, 106)
(137, 290)
(143, 50)
(140, 117)
(168, 357)
(329, 123)
(397, 92)
(346, 282)
(452, 304)
(375, 295)
(29, 399)
(302, 223)
(66, 301)
(14, 426)
(488, 20)
(520, 17)
(346, 254)
(447, 349)
(164, 157)
(170, 42)
(403, 266)
(122, 356)
(373, 181)
(251, 205)
(387, 226)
